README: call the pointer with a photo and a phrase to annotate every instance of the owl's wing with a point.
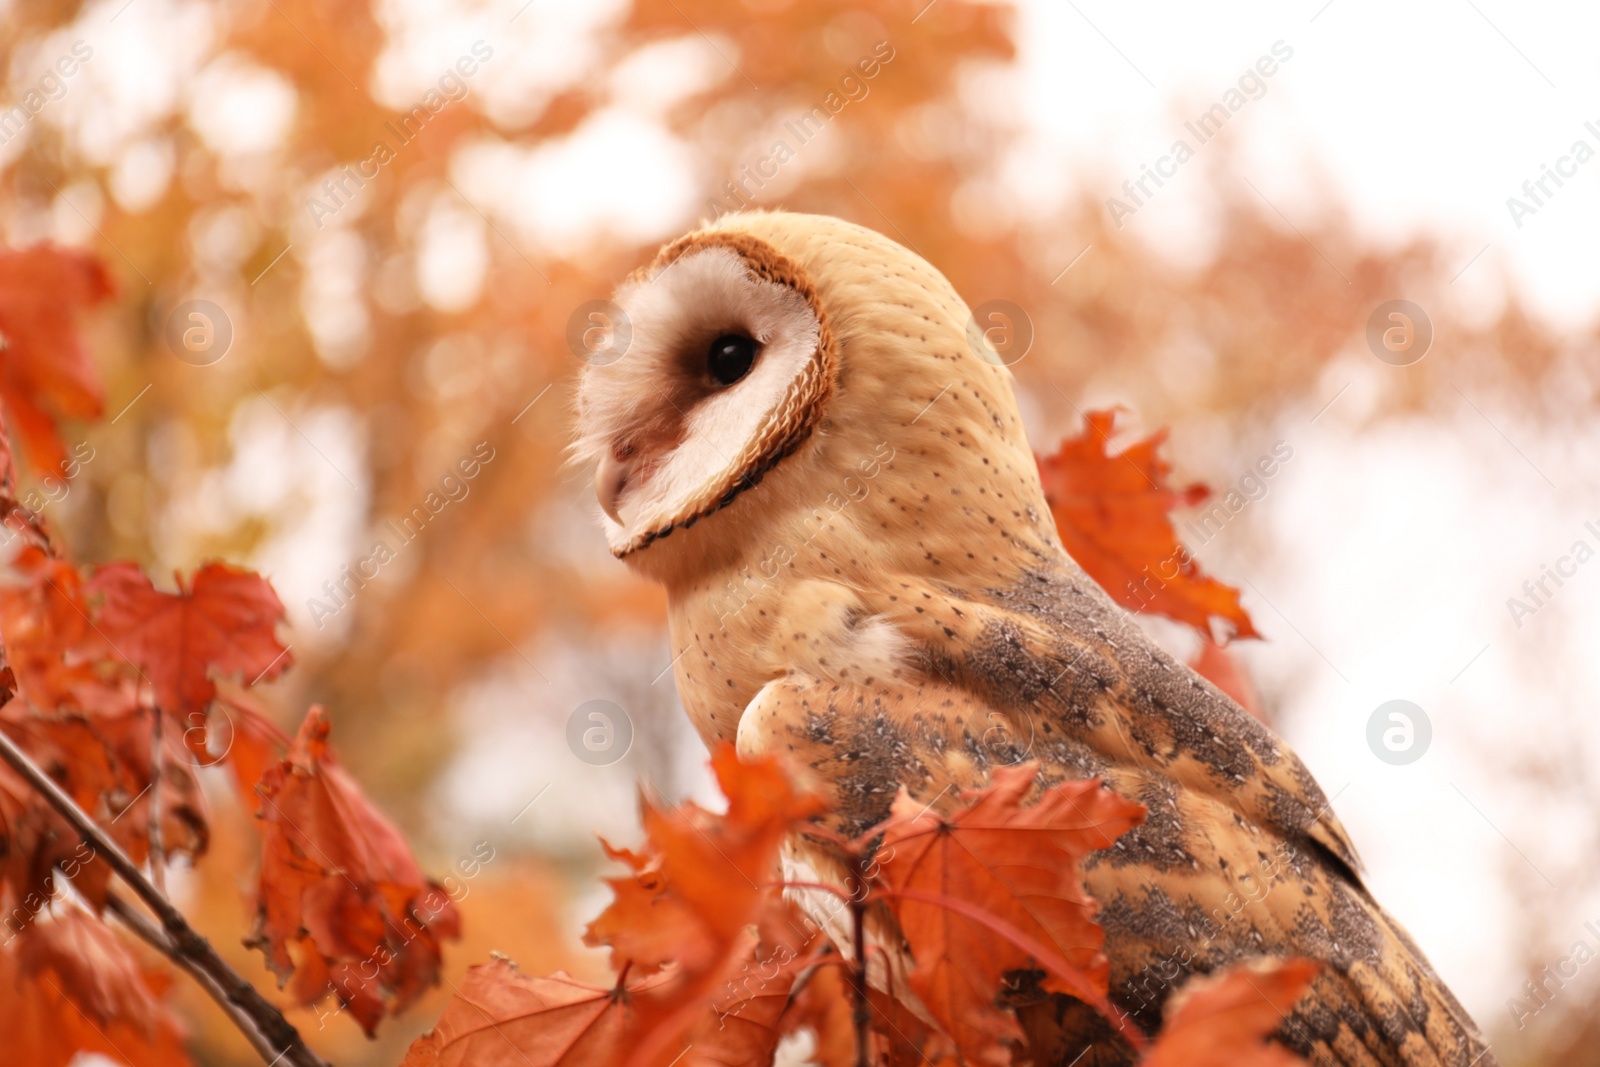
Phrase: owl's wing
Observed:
(1239, 856)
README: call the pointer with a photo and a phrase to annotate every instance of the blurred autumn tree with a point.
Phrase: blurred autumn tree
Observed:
(392, 309)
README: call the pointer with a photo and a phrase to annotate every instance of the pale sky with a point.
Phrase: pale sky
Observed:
(1395, 550)
(1426, 116)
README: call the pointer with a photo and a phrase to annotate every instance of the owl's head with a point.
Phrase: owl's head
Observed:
(776, 364)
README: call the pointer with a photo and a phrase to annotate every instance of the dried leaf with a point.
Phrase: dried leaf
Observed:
(45, 373)
(225, 621)
(71, 985)
(252, 741)
(501, 1017)
(44, 618)
(823, 1007)
(743, 1028)
(1016, 864)
(1114, 516)
(36, 844)
(338, 882)
(703, 878)
(702, 881)
(1224, 1020)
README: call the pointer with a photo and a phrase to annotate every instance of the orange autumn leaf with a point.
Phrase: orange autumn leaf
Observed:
(103, 762)
(901, 1039)
(36, 844)
(45, 373)
(744, 1028)
(339, 884)
(252, 743)
(80, 714)
(44, 619)
(70, 985)
(700, 883)
(500, 1016)
(703, 878)
(823, 1006)
(1114, 516)
(1016, 863)
(698, 986)
(224, 620)
(60, 659)
(1224, 1020)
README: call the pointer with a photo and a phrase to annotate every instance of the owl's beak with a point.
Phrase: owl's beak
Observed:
(610, 479)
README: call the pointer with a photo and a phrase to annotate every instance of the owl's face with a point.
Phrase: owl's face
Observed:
(777, 366)
(726, 374)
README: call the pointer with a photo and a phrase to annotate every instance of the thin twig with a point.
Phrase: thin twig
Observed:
(151, 934)
(186, 943)
(862, 1013)
(157, 854)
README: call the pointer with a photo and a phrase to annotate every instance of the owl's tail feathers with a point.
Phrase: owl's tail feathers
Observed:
(1386, 1008)
(1377, 1003)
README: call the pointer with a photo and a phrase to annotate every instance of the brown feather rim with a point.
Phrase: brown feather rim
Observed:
(797, 414)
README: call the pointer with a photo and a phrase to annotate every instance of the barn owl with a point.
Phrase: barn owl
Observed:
(810, 447)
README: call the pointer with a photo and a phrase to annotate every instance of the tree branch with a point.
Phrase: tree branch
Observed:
(158, 771)
(151, 934)
(184, 944)
(861, 1013)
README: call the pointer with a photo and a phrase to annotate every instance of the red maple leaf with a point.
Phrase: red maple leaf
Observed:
(1017, 867)
(224, 621)
(500, 1016)
(704, 990)
(72, 986)
(703, 878)
(254, 743)
(339, 881)
(44, 618)
(1224, 1020)
(1114, 516)
(45, 374)
(701, 882)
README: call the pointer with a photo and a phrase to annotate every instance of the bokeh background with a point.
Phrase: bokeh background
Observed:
(386, 328)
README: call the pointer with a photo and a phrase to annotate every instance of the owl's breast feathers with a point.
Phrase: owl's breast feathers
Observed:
(909, 683)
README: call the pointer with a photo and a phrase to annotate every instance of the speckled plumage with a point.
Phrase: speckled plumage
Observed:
(890, 605)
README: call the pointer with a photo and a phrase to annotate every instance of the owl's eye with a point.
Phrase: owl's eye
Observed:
(730, 357)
